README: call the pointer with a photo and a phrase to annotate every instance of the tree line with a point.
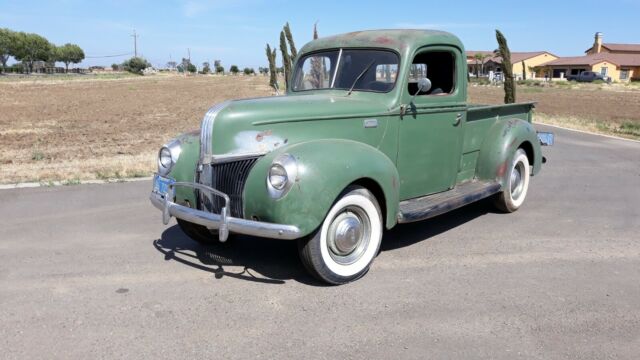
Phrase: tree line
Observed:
(29, 48)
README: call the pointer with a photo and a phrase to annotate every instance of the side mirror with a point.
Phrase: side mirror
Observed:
(424, 84)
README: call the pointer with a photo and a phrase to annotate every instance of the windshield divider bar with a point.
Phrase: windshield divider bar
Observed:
(335, 72)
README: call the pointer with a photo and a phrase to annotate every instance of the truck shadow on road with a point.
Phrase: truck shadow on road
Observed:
(252, 259)
(275, 261)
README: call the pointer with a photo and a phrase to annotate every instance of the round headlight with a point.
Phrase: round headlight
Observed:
(164, 158)
(283, 173)
(278, 176)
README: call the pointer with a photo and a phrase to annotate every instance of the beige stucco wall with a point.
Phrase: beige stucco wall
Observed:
(532, 62)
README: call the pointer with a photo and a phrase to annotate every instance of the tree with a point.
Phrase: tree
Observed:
(135, 65)
(172, 65)
(191, 68)
(292, 45)
(30, 48)
(273, 76)
(7, 45)
(315, 31)
(219, 69)
(479, 58)
(524, 71)
(206, 68)
(115, 67)
(234, 69)
(505, 54)
(69, 53)
(286, 60)
(248, 71)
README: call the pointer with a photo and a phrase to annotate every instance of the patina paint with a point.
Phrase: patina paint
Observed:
(335, 140)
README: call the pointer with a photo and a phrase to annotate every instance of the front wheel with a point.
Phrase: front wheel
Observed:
(348, 240)
(516, 184)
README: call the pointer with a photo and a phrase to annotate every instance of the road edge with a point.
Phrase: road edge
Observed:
(66, 183)
(586, 132)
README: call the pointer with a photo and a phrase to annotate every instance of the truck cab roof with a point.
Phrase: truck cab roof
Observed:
(403, 41)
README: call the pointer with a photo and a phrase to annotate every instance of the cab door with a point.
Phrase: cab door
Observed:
(430, 134)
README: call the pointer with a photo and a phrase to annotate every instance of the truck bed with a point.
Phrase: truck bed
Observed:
(480, 118)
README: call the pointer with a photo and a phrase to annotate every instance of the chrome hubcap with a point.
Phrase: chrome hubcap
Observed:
(349, 235)
(516, 182)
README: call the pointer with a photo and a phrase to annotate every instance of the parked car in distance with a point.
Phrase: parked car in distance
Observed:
(588, 76)
(374, 130)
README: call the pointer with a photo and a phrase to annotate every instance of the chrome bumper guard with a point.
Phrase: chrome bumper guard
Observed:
(222, 222)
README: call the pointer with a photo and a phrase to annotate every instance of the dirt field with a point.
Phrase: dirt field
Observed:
(610, 109)
(112, 128)
(105, 128)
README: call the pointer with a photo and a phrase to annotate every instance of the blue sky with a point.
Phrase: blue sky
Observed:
(236, 31)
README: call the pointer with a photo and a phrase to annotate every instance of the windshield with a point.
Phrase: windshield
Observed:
(364, 70)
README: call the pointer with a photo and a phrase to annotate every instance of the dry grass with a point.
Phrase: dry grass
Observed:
(610, 110)
(111, 127)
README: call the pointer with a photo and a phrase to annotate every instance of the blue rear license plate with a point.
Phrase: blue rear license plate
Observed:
(161, 184)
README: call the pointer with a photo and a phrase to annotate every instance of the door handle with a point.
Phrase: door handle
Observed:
(458, 120)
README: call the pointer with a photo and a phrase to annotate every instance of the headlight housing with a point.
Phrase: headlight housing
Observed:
(282, 175)
(168, 156)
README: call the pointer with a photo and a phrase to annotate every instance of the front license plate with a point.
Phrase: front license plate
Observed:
(161, 184)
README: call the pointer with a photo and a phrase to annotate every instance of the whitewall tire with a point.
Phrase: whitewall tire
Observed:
(348, 240)
(516, 183)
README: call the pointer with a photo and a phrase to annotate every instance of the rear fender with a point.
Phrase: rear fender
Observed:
(501, 143)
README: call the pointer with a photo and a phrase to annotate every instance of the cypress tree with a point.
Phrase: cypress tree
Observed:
(286, 60)
(509, 86)
(292, 45)
(271, 57)
(524, 71)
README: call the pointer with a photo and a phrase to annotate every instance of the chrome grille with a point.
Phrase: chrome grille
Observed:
(229, 177)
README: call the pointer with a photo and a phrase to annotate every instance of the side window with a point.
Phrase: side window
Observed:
(439, 67)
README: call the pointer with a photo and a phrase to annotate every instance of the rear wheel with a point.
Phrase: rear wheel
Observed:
(200, 233)
(348, 240)
(516, 184)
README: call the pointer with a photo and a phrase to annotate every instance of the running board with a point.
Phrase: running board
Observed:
(435, 204)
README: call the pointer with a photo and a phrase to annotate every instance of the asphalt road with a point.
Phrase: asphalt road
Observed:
(89, 271)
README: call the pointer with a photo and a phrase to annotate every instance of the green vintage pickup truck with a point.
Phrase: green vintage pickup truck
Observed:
(374, 130)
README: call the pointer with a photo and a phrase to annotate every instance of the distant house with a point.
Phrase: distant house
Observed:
(532, 61)
(620, 62)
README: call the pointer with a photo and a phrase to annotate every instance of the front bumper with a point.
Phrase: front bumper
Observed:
(221, 222)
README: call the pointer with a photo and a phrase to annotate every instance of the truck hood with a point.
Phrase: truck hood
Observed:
(264, 124)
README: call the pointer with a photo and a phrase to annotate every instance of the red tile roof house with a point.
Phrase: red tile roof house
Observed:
(621, 62)
(493, 63)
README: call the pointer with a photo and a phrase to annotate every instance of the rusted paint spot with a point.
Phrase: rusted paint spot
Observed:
(261, 135)
(502, 169)
(384, 40)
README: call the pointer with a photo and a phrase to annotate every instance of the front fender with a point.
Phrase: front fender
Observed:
(501, 143)
(325, 169)
(185, 167)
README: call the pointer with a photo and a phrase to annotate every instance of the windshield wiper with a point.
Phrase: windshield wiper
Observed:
(359, 76)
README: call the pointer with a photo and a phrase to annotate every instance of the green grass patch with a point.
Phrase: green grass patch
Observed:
(38, 156)
(629, 128)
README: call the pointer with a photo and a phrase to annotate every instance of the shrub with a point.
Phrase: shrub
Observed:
(530, 82)
(135, 65)
(248, 71)
(234, 69)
